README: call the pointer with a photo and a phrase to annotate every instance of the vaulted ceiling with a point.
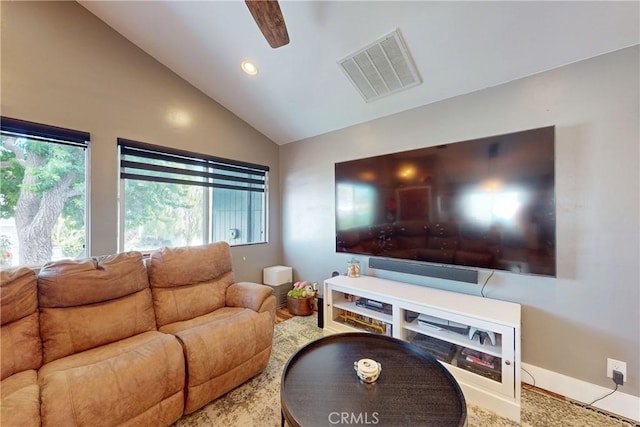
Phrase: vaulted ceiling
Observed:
(300, 91)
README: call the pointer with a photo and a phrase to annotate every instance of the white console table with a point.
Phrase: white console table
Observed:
(439, 322)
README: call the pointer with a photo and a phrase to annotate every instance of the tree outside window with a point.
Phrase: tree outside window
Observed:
(160, 214)
(42, 198)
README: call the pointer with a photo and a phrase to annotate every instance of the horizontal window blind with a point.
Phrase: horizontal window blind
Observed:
(148, 162)
(23, 128)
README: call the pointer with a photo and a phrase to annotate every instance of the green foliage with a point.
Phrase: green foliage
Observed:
(35, 167)
(74, 208)
(11, 175)
(54, 161)
(69, 236)
(46, 163)
(148, 201)
(156, 213)
(296, 293)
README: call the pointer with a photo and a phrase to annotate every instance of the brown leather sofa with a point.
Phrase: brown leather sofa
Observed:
(20, 348)
(225, 328)
(117, 351)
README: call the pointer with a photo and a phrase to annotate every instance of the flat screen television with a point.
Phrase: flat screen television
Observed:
(484, 203)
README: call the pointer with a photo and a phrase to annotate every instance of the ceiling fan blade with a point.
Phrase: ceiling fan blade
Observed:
(268, 16)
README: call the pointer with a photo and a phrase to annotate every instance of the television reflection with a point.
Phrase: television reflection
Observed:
(487, 203)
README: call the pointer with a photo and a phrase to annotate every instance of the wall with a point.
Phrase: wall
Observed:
(64, 67)
(572, 323)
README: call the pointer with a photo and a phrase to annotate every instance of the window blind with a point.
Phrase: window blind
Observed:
(149, 162)
(22, 128)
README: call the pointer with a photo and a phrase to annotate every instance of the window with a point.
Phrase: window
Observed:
(43, 193)
(178, 198)
(356, 205)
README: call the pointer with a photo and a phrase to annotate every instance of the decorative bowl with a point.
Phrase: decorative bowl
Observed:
(368, 370)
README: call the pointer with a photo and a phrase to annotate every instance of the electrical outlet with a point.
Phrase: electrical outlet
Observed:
(617, 365)
(618, 378)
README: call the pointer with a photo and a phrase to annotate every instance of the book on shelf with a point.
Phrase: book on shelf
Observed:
(479, 358)
(366, 322)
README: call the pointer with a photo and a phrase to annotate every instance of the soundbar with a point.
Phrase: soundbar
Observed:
(422, 269)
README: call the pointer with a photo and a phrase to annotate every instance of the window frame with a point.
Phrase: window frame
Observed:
(217, 174)
(62, 136)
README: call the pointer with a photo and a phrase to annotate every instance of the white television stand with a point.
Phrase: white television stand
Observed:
(489, 374)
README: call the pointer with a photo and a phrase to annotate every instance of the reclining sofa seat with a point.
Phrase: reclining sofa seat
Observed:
(104, 361)
(21, 348)
(225, 328)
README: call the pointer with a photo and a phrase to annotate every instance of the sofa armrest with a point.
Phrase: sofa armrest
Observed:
(248, 295)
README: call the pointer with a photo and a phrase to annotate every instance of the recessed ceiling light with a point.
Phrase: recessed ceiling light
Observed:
(249, 68)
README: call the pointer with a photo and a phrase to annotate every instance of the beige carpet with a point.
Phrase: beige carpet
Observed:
(257, 402)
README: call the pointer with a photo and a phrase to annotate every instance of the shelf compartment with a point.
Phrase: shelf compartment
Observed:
(442, 350)
(354, 308)
(363, 322)
(480, 363)
(456, 338)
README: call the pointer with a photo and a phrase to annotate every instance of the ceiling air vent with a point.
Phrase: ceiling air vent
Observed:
(382, 68)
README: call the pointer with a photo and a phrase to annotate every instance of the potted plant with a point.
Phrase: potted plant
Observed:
(300, 299)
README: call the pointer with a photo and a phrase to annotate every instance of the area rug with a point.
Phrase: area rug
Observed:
(257, 402)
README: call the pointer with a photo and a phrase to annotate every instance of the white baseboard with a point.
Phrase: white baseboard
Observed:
(619, 403)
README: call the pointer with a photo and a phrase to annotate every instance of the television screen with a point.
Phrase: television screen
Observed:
(484, 203)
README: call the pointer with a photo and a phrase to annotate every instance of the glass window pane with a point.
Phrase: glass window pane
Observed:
(162, 214)
(238, 217)
(42, 200)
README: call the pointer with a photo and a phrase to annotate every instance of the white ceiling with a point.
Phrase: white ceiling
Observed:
(458, 47)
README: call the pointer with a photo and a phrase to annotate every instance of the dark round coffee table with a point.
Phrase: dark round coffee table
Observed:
(319, 386)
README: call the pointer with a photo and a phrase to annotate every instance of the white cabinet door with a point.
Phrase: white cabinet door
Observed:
(484, 358)
(344, 312)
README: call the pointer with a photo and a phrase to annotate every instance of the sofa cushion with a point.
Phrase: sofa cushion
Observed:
(225, 318)
(21, 346)
(249, 295)
(187, 282)
(19, 333)
(116, 383)
(89, 303)
(20, 400)
(70, 330)
(18, 294)
(216, 344)
(70, 283)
